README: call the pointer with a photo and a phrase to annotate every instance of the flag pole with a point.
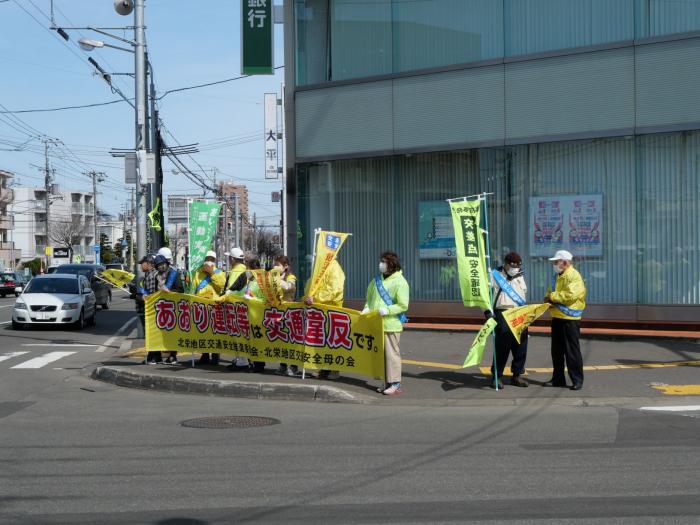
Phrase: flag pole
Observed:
(187, 262)
(317, 232)
(483, 197)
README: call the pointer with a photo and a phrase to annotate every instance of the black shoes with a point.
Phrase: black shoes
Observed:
(516, 380)
(575, 387)
(556, 384)
(492, 384)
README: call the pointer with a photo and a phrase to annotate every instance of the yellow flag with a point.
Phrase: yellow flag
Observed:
(476, 351)
(519, 319)
(327, 248)
(118, 278)
(267, 281)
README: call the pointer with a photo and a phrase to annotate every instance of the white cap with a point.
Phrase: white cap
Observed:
(562, 255)
(236, 253)
(165, 252)
(210, 253)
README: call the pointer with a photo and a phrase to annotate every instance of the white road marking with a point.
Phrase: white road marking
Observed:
(7, 306)
(109, 341)
(10, 355)
(6, 322)
(81, 345)
(44, 360)
(678, 408)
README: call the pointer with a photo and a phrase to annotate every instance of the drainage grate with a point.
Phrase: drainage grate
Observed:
(230, 422)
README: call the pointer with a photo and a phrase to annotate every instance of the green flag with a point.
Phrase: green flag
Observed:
(471, 256)
(202, 226)
(476, 350)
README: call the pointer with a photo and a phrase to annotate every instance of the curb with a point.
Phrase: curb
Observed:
(224, 388)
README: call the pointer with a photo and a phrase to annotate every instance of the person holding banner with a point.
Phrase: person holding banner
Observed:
(567, 295)
(510, 291)
(288, 288)
(388, 294)
(169, 280)
(147, 286)
(330, 291)
(209, 282)
(235, 260)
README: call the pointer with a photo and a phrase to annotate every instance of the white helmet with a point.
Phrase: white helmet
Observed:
(236, 253)
(165, 252)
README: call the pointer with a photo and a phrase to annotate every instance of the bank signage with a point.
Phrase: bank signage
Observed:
(257, 37)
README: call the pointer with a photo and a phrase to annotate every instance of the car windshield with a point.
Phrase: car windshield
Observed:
(75, 270)
(52, 286)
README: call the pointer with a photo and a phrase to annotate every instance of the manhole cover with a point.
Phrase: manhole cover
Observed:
(230, 422)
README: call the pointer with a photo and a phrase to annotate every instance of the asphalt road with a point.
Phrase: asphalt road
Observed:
(73, 450)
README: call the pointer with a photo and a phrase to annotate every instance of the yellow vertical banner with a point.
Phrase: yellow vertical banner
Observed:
(471, 254)
(328, 246)
(269, 287)
(317, 337)
(476, 350)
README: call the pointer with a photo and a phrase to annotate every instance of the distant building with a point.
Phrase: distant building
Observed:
(67, 207)
(9, 255)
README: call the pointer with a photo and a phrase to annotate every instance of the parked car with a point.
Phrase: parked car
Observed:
(56, 299)
(114, 266)
(102, 290)
(12, 283)
(52, 268)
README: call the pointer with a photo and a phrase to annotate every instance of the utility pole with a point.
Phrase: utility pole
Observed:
(141, 125)
(97, 176)
(225, 233)
(132, 213)
(237, 218)
(254, 237)
(47, 188)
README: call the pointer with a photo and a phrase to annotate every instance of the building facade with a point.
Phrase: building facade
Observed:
(579, 117)
(70, 211)
(9, 255)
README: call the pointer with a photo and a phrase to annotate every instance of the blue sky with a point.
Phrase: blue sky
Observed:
(189, 43)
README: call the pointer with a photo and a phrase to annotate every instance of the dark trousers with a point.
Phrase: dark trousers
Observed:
(566, 351)
(506, 345)
(151, 356)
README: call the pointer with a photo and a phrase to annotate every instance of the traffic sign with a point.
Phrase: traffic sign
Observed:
(96, 247)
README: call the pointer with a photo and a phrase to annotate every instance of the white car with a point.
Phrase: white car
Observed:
(56, 299)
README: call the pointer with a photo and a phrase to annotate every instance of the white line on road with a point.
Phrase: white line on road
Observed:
(10, 355)
(6, 322)
(7, 306)
(109, 341)
(678, 408)
(38, 362)
(60, 344)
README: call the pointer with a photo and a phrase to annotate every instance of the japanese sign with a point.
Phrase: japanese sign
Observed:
(436, 238)
(519, 319)
(203, 218)
(270, 139)
(315, 337)
(327, 247)
(471, 256)
(566, 222)
(257, 50)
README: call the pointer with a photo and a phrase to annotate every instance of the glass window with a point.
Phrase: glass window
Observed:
(534, 26)
(311, 41)
(430, 34)
(360, 38)
(665, 17)
(67, 286)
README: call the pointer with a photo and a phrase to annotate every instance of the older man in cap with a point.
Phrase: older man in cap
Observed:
(236, 259)
(209, 282)
(567, 295)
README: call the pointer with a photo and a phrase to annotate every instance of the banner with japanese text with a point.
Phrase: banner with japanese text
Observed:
(471, 255)
(328, 246)
(519, 319)
(316, 337)
(269, 285)
(476, 350)
(203, 219)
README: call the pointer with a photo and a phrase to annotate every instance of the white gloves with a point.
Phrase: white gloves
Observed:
(364, 311)
(383, 311)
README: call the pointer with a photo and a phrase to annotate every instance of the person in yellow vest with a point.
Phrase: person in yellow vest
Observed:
(236, 259)
(567, 295)
(329, 292)
(388, 294)
(288, 289)
(209, 282)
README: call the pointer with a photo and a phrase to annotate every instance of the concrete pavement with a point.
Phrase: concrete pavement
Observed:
(630, 370)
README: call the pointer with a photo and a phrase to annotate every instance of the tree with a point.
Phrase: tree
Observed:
(106, 253)
(66, 234)
(266, 246)
(123, 252)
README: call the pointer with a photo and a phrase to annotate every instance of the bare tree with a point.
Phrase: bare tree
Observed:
(67, 233)
(267, 248)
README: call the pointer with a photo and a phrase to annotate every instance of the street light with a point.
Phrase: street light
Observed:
(88, 44)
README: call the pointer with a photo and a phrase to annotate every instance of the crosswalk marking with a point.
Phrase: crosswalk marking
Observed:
(44, 360)
(678, 408)
(10, 355)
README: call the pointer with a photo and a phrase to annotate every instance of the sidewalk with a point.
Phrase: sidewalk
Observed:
(630, 371)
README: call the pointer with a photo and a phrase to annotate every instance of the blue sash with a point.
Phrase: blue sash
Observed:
(507, 288)
(172, 275)
(386, 297)
(204, 282)
(564, 309)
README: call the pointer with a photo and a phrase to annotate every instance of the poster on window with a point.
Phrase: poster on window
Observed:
(436, 236)
(566, 222)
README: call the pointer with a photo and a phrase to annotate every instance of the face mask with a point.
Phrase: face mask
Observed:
(280, 269)
(513, 271)
(556, 268)
(382, 267)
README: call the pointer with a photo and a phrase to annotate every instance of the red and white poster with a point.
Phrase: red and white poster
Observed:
(566, 222)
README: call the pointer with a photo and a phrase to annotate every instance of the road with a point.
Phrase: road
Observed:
(76, 451)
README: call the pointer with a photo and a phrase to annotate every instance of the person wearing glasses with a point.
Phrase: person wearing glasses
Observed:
(509, 291)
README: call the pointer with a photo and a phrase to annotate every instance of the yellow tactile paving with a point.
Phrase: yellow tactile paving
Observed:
(678, 390)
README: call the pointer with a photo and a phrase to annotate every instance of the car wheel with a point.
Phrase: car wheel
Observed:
(80, 323)
(16, 325)
(105, 305)
(2, 295)
(16, 294)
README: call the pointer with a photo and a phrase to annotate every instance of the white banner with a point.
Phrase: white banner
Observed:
(271, 161)
(566, 222)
